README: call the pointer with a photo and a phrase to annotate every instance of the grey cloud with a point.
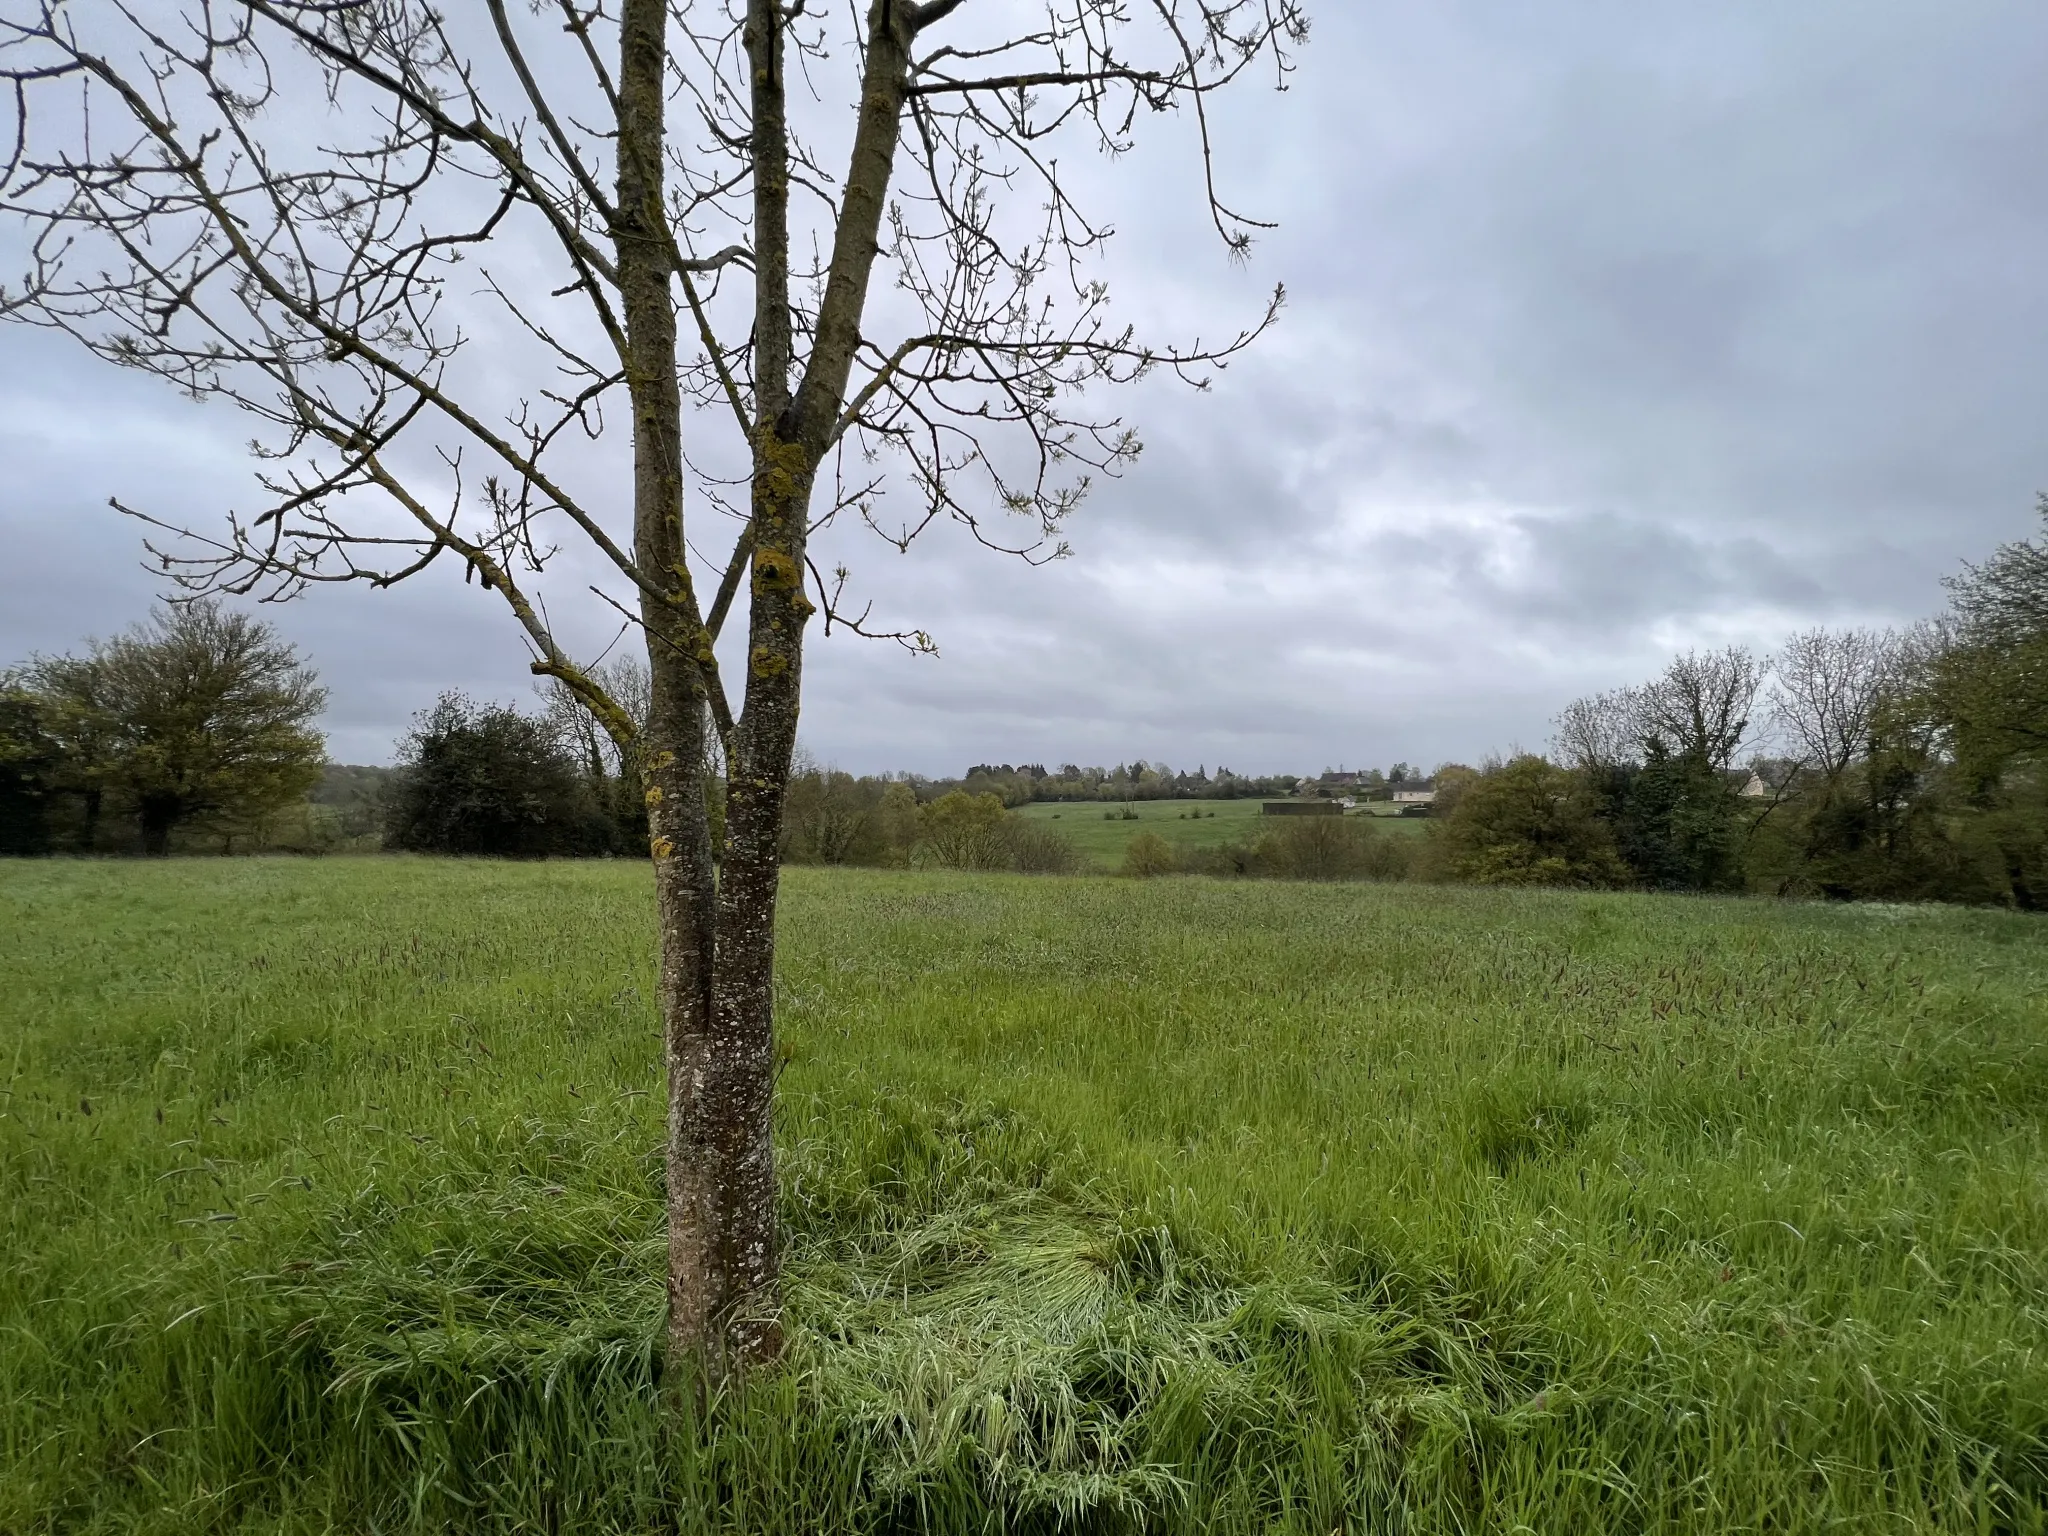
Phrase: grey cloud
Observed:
(1612, 329)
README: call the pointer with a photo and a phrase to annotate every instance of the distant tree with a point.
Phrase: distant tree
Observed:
(896, 822)
(1600, 732)
(1529, 822)
(1827, 686)
(28, 764)
(610, 765)
(1990, 680)
(1658, 760)
(831, 817)
(355, 794)
(1451, 780)
(1702, 706)
(199, 713)
(85, 736)
(483, 779)
(1859, 806)
(1674, 819)
(1986, 689)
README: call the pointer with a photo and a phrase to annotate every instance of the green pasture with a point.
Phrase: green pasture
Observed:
(330, 1201)
(1100, 833)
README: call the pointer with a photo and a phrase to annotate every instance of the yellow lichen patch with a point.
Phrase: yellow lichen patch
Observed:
(661, 760)
(767, 663)
(773, 569)
(662, 848)
(780, 471)
(653, 795)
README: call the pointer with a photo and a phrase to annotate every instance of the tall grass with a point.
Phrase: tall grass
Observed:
(331, 1202)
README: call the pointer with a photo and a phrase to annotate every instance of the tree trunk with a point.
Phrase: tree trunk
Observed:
(2023, 897)
(716, 986)
(158, 816)
(720, 1173)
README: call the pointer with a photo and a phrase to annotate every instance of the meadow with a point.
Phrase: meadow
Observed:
(332, 1202)
(1100, 832)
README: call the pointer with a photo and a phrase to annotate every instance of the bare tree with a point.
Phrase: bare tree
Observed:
(1601, 730)
(1827, 687)
(298, 206)
(1703, 706)
(625, 682)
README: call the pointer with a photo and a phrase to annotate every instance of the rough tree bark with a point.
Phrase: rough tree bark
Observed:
(310, 294)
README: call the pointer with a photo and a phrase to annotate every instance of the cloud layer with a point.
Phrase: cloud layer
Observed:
(1610, 332)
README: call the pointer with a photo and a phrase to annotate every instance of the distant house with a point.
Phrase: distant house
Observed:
(1414, 792)
(1337, 781)
(1767, 777)
(1301, 808)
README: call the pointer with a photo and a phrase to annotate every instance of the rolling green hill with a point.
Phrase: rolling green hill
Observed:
(1100, 834)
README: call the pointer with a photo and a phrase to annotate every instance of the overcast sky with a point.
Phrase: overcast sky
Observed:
(1613, 329)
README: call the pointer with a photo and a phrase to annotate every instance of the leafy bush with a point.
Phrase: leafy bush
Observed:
(1148, 854)
(1529, 822)
(963, 831)
(485, 779)
(1038, 850)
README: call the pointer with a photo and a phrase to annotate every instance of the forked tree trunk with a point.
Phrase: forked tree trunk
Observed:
(716, 984)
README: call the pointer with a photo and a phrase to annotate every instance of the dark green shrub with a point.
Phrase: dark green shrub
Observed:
(485, 779)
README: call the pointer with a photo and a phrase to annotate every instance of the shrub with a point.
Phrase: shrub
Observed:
(485, 779)
(1529, 822)
(963, 831)
(1149, 854)
(1312, 848)
(1036, 849)
(1316, 848)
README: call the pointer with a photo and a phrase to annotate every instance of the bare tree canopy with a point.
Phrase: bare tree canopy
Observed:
(437, 255)
(1600, 730)
(1700, 707)
(1828, 687)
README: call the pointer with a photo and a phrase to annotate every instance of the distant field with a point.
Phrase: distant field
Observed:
(330, 1201)
(1219, 821)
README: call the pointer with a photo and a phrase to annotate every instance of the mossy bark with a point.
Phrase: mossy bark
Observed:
(717, 915)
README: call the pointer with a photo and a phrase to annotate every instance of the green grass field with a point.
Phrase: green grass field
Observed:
(331, 1202)
(1102, 841)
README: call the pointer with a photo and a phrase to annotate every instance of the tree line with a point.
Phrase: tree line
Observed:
(1876, 764)
(1887, 764)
